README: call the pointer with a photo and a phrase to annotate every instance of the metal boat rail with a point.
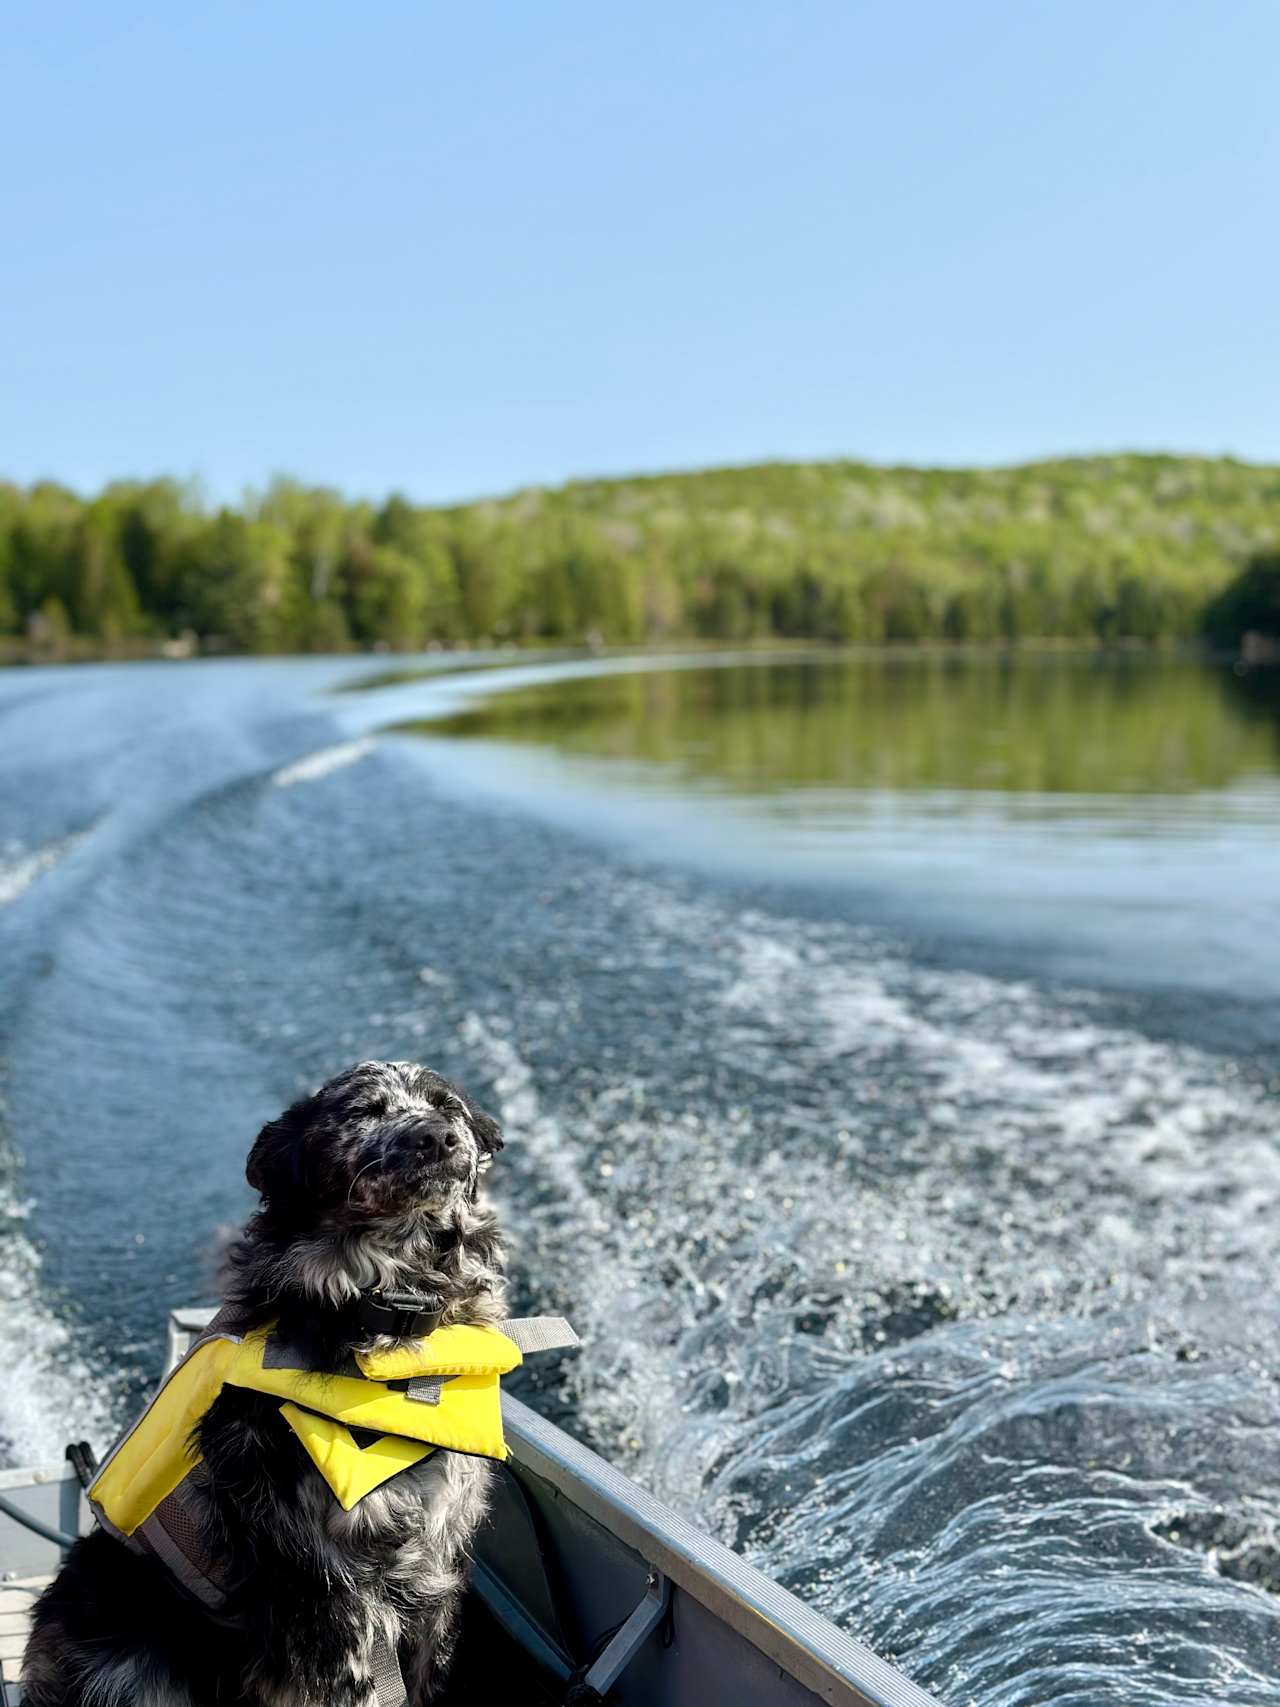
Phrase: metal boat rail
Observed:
(722, 1606)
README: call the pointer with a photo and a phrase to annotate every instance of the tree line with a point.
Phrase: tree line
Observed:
(1100, 549)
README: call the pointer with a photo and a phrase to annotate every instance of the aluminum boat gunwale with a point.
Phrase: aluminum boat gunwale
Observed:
(801, 1642)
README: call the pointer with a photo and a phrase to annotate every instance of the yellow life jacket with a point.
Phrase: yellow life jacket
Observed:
(451, 1401)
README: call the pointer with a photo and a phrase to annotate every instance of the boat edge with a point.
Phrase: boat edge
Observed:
(801, 1641)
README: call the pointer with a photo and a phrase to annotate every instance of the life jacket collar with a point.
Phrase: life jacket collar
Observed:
(415, 1397)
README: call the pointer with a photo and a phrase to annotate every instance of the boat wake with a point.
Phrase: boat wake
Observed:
(315, 766)
(943, 1294)
(920, 1287)
(51, 1393)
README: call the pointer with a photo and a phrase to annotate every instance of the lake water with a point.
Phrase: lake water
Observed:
(886, 1049)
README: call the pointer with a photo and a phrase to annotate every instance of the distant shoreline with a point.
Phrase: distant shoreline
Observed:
(1100, 552)
(16, 654)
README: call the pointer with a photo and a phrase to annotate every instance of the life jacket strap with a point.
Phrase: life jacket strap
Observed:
(173, 1534)
(539, 1333)
(388, 1682)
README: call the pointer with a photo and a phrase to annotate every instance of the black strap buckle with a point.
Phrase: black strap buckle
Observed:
(404, 1315)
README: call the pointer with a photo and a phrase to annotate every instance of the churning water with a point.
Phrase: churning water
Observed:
(936, 1280)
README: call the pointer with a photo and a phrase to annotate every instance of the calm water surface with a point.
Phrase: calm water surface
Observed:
(887, 1052)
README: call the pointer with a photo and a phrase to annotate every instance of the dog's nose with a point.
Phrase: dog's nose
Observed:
(432, 1137)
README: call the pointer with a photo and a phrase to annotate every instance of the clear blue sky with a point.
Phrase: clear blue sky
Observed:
(458, 249)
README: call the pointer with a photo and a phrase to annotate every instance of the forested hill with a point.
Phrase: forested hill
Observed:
(1098, 548)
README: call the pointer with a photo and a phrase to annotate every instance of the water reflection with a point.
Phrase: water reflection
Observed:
(1042, 725)
(1109, 819)
(1256, 695)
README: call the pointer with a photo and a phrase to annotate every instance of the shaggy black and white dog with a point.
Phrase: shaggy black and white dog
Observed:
(372, 1184)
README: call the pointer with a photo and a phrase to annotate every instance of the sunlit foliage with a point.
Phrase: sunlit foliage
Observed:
(1093, 549)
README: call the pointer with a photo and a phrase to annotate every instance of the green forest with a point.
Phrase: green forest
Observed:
(1095, 550)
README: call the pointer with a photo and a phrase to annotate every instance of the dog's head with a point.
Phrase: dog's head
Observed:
(385, 1140)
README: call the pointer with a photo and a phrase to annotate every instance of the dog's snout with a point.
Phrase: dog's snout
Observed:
(433, 1136)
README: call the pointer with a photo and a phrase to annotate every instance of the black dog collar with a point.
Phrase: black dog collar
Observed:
(404, 1315)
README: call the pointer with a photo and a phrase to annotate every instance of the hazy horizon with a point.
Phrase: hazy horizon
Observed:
(377, 494)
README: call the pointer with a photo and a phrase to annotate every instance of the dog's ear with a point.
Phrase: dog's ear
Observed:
(274, 1167)
(488, 1132)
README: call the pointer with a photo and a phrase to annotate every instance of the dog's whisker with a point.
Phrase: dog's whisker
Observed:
(363, 1170)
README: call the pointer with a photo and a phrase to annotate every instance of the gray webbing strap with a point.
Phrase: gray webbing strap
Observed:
(388, 1684)
(539, 1333)
(174, 1533)
(426, 1389)
(228, 1319)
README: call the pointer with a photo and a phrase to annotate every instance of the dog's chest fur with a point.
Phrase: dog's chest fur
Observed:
(411, 1532)
(391, 1567)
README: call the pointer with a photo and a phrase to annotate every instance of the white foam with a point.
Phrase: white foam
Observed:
(540, 1134)
(932, 1140)
(18, 871)
(324, 763)
(566, 1234)
(49, 1394)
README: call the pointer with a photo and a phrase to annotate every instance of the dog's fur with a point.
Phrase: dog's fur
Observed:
(372, 1182)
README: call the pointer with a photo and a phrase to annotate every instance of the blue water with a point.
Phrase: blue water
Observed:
(918, 1212)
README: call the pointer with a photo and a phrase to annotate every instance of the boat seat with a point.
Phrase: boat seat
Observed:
(17, 1597)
